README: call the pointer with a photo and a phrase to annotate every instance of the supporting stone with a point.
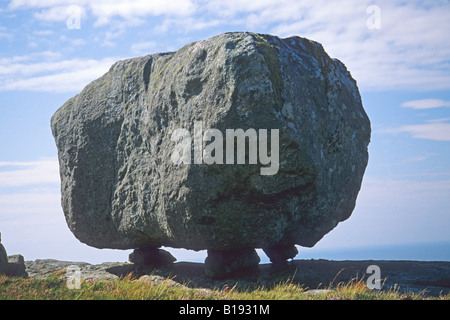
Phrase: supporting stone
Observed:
(223, 264)
(16, 266)
(3, 260)
(151, 256)
(280, 253)
(3, 257)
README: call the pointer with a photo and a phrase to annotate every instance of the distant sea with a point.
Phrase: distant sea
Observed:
(436, 251)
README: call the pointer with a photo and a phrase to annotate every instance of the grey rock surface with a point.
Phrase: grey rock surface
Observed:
(3, 260)
(121, 190)
(429, 277)
(16, 266)
(151, 256)
(107, 271)
(279, 254)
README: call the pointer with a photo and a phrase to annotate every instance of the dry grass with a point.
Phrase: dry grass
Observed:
(54, 288)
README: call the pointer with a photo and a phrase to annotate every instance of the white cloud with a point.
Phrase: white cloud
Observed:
(421, 157)
(399, 210)
(8, 67)
(43, 33)
(438, 130)
(431, 131)
(5, 34)
(410, 51)
(394, 211)
(20, 204)
(14, 4)
(392, 200)
(50, 75)
(115, 31)
(190, 24)
(58, 13)
(105, 10)
(43, 55)
(31, 217)
(143, 47)
(22, 174)
(78, 42)
(426, 104)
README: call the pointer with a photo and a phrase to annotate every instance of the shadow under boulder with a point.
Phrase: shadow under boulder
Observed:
(224, 264)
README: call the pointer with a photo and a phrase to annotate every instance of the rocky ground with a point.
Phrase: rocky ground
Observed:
(417, 276)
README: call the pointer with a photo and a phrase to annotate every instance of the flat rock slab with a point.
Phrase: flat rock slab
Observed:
(99, 272)
(432, 278)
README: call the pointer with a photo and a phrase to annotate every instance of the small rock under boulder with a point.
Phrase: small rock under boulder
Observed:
(279, 254)
(151, 256)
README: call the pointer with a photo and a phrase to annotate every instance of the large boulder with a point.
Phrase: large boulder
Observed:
(130, 178)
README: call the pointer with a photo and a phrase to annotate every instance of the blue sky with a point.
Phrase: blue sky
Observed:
(398, 52)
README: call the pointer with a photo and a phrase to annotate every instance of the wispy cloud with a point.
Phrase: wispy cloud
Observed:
(143, 47)
(20, 174)
(43, 33)
(438, 130)
(5, 34)
(105, 10)
(421, 157)
(59, 13)
(405, 192)
(17, 205)
(433, 131)
(410, 50)
(426, 104)
(392, 209)
(37, 73)
(192, 24)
